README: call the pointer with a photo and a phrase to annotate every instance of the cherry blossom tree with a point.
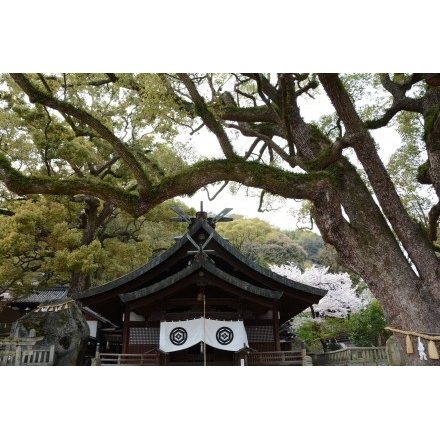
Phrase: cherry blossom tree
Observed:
(326, 321)
(342, 298)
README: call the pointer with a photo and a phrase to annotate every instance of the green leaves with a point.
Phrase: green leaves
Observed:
(267, 245)
(367, 327)
(42, 243)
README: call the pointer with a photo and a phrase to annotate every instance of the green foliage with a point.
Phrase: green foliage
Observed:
(277, 249)
(244, 231)
(367, 327)
(266, 245)
(318, 333)
(85, 259)
(310, 333)
(30, 239)
(42, 243)
(311, 242)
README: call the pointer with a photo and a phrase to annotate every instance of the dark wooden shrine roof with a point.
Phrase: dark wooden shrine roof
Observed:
(189, 270)
(223, 263)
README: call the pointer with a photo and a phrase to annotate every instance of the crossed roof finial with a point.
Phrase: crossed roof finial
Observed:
(201, 215)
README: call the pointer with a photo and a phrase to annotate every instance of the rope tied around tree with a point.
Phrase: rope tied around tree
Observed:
(431, 338)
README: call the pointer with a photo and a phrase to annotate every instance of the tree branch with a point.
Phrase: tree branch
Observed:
(288, 90)
(208, 118)
(364, 146)
(273, 180)
(433, 217)
(21, 184)
(111, 78)
(224, 185)
(400, 101)
(250, 132)
(6, 212)
(36, 96)
(263, 85)
(265, 88)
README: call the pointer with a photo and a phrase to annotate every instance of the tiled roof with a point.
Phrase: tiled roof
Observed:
(39, 296)
(313, 293)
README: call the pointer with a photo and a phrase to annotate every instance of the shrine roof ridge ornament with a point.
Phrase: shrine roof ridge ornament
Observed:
(201, 215)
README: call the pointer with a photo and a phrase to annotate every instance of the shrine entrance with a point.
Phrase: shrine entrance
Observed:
(194, 356)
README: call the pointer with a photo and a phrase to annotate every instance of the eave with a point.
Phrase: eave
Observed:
(192, 269)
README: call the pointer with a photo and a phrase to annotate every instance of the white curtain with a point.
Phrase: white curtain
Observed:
(224, 335)
(178, 335)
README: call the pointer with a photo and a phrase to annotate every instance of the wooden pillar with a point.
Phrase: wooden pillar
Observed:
(162, 310)
(18, 355)
(126, 331)
(276, 326)
(240, 309)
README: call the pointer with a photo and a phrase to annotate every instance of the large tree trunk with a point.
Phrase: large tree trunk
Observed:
(89, 223)
(406, 287)
(365, 244)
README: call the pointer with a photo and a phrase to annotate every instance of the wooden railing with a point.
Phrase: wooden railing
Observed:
(253, 358)
(115, 359)
(352, 356)
(37, 356)
(269, 358)
(27, 357)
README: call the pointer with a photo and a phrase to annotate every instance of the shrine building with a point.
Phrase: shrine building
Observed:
(201, 302)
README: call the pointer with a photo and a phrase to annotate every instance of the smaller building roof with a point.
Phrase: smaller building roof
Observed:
(54, 294)
(41, 295)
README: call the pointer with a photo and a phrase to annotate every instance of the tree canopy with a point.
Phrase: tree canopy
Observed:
(42, 245)
(268, 245)
(124, 140)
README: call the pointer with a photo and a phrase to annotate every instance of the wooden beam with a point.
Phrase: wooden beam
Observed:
(276, 326)
(231, 302)
(126, 333)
